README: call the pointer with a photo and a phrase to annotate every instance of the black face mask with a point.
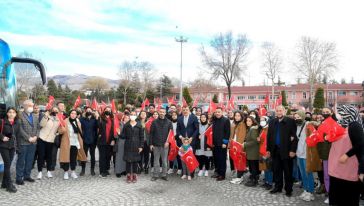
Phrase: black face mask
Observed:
(53, 114)
(107, 113)
(204, 123)
(174, 120)
(299, 121)
(326, 116)
(88, 114)
(308, 119)
(78, 113)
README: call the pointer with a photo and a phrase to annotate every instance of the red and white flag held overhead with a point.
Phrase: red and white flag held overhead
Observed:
(195, 102)
(87, 103)
(94, 104)
(145, 103)
(212, 107)
(113, 106)
(77, 102)
(230, 105)
(171, 100)
(50, 103)
(184, 103)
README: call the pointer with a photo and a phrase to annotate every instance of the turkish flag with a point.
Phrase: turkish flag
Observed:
(262, 111)
(113, 107)
(266, 100)
(62, 123)
(190, 160)
(103, 106)
(171, 139)
(173, 152)
(87, 103)
(279, 101)
(263, 143)
(50, 103)
(212, 107)
(332, 129)
(171, 100)
(315, 136)
(148, 124)
(195, 102)
(184, 103)
(240, 162)
(77, 102)
(145, 103)
(94, 104)
(116, 125)
(222, 106)
(230, 104)
(235, 149)
(209, 138)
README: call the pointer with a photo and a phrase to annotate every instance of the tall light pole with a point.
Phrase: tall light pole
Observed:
(181, 40)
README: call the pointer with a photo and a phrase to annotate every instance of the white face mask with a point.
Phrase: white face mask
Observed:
(30, 109)
(133, 118)
(252, 115)
(263, 123)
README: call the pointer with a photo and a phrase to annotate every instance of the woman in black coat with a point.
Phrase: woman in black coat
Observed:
(9, 131)
(133, 133)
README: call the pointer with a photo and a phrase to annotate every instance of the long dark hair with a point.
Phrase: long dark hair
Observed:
(252, 119)
(241, 115)
(16, 112)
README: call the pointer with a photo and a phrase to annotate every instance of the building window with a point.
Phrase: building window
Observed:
(330, 95)
(353, 93)
(304, 95)
(341, 93)
(261, 97)
(241, 97)
(251, 97)
(293, 95)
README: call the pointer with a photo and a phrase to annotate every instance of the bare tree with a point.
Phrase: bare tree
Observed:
(26, 74)
(272, 63)
(96, 84)
(145, 72)
(227, 58)
(126, 72)
(315, 58)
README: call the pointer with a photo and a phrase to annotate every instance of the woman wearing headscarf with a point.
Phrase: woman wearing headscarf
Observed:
(346, 162)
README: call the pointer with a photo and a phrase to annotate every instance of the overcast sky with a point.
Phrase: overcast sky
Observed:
(95, 36)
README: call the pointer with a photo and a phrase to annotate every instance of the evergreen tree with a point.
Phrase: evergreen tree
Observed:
(52, 88)
(284, 98)
(319, 101)
(215, 99)
(187, 96)
(165, 84)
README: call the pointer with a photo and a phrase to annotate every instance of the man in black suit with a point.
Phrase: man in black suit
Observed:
(281, 146)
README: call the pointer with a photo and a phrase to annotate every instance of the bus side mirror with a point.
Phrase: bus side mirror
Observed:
(38, 65)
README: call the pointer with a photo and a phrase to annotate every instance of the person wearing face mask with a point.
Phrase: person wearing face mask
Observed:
(308, 117)
(203, 151)
(255, 115)
(323, 149)
(71, 148)
(133, 133)
(346, 159)
(265, 163)
(120, 164)
(49, 128)
(174, 118)
(281, 146)
(238, 133)
(105, 141)
(307, 177)
(8, 134)
(27, 141)
(89, 126)
(143, 164)
(251, 147)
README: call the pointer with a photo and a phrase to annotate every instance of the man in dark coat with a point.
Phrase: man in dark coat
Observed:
(281, 146)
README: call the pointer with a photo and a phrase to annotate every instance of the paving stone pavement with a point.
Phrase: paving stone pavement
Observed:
(89, 190)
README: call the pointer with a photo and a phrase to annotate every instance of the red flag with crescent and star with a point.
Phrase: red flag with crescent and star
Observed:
(190, 160)
(50, 103)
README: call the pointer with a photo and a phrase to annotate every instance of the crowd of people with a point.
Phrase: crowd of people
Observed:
(136, 141)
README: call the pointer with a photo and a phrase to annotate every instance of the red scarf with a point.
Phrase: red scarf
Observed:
(108, 129)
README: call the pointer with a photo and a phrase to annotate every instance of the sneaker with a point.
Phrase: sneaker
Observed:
(160, 170)
(134, 178)
(327, 201)
(184, 177)
(236, 181)
(39, 176)
(304, 194)
(65, 176)
(206, 173)
(128, 179)
(170, 171)
(152, 170)
(233, 173)
(200, 173)
(154, 179)
(19, 182)
(308, 197)
(103, 175)
(49, 174)
(189, 178)
(73, 175)
(164, 178)
(179, 172)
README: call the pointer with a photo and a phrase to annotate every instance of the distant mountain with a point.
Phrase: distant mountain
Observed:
(75, 82)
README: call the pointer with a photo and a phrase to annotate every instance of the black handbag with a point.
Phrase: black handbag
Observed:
(57, 140)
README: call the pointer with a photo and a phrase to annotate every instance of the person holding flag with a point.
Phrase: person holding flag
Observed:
(238, 134)
(203, 151)
(185, 147)
(221, 134)
(133, 133)
(265, 162)
(159, 143)
(105, 141)
(174, 117)
(251, 147)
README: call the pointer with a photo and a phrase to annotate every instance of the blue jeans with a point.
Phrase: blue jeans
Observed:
(268, 176)
(307, 177)
(296, 171)
(25, 161)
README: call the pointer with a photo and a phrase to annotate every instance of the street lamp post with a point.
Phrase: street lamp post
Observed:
(181, 40)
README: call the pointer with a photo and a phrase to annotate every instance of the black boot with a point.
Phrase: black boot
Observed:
(82, 171)
(251, 183)
(11, 189)
(93, 172)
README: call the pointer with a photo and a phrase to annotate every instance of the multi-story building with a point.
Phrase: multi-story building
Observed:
(253, 96)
